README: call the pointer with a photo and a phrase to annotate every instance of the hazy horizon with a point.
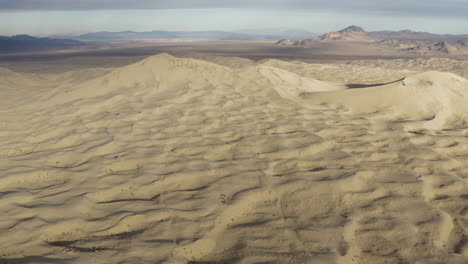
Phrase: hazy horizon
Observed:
(319, 20)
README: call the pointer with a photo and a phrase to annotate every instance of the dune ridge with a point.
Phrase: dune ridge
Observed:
(438, 96)
(178, 160)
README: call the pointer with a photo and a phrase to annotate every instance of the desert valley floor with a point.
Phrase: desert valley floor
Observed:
(227, 160)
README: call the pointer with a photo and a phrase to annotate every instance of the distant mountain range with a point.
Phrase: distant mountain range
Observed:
(28, 43)
(427, 47)
(125, 36)
(422, 43)
(413, 35)
(355, 33)
(405, 41)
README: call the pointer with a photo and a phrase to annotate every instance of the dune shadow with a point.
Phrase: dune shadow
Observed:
(357, 85)
(33, 259)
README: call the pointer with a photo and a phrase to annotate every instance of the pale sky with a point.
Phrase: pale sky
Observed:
(43, 17)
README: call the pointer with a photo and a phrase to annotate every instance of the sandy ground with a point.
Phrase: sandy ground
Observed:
(227, 160)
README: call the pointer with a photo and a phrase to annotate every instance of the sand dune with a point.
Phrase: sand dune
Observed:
(440, 97)
(177, 160)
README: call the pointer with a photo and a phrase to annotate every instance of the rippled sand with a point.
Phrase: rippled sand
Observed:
(174, 160)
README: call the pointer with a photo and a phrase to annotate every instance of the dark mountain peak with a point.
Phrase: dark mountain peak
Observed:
(21, 43)
(352, 28)
(23, 37)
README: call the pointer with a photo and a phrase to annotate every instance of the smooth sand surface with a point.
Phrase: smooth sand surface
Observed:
(177, 160)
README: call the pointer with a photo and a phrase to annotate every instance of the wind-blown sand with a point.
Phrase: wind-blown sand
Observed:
(175, 160)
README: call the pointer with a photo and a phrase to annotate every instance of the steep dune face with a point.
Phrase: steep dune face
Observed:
(438, 96)
(174, 160)
(290, 85)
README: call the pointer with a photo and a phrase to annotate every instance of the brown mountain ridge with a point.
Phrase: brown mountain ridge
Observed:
(406, 41)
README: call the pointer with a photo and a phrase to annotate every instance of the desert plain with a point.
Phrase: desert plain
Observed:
(201, 153)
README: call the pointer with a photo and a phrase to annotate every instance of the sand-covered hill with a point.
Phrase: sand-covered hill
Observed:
(179, 160)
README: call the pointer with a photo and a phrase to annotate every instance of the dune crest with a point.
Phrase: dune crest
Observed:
(438, 96)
